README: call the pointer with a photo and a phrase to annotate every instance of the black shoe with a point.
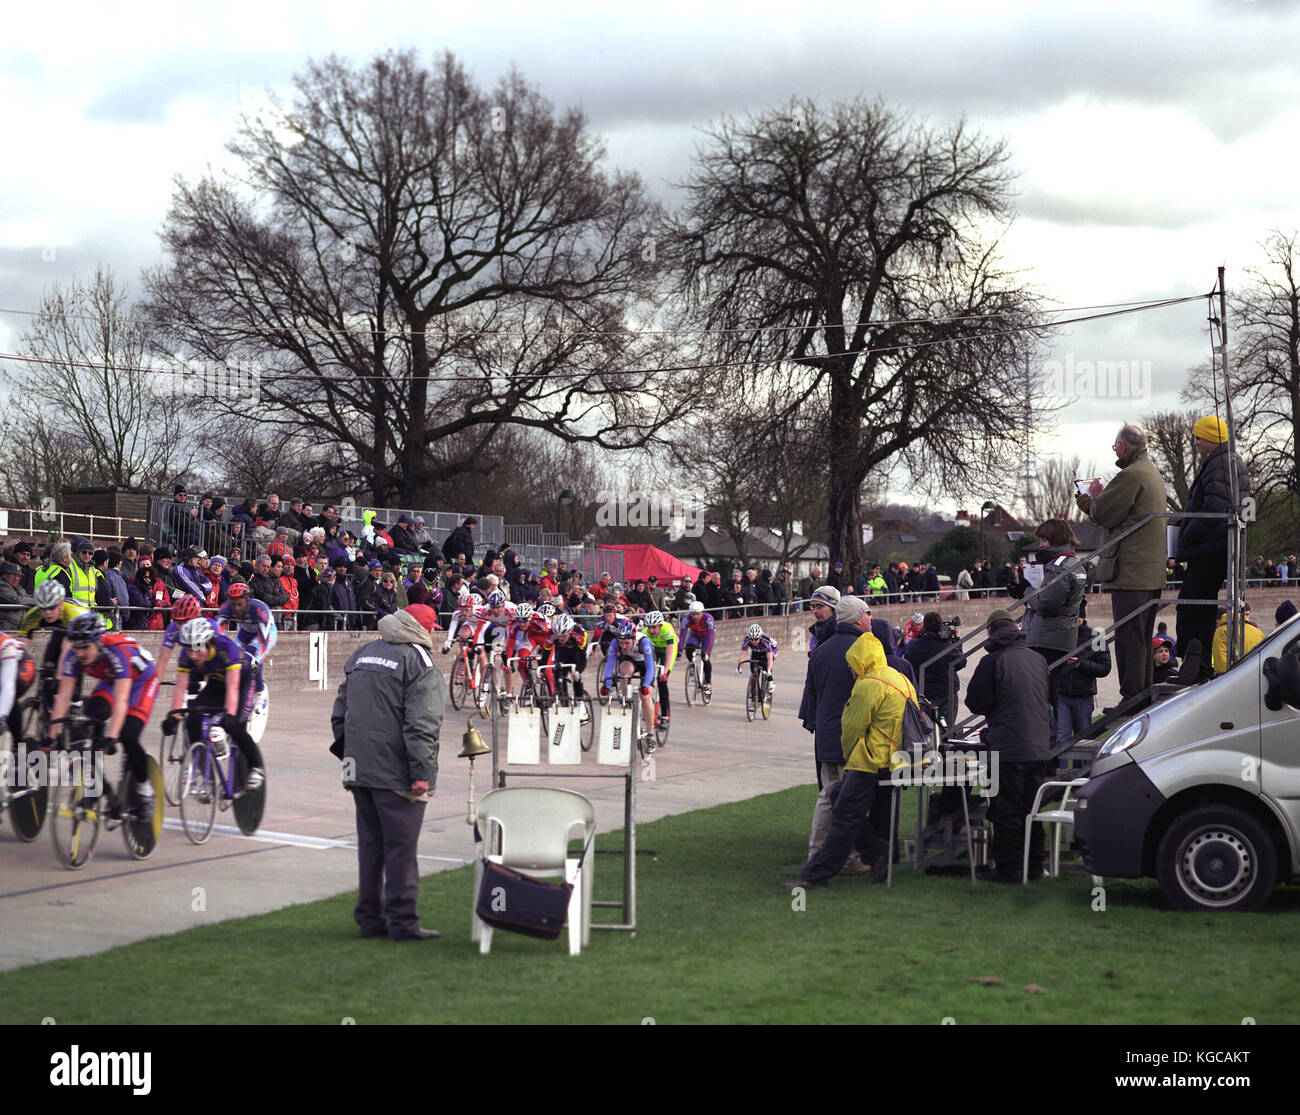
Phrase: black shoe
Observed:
(378, 931)
(418, 934)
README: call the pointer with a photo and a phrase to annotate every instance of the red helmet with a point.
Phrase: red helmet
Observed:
(239, 588)
(186, 608)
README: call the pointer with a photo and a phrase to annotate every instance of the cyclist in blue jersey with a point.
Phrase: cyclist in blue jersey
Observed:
(256, 629)
(762, 653)
(697, 634)
(632, 655)
(224, 671)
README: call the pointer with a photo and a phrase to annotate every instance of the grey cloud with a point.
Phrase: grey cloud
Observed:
(144, 97)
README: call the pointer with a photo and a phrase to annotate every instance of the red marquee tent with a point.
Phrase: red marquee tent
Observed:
(641, 562)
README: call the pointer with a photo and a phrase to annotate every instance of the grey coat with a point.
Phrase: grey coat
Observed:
(389, 709)
(1053, 611)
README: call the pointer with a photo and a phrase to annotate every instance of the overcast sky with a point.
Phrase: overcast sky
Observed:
(1154, 141)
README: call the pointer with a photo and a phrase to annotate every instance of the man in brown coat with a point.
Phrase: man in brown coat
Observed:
(1134, 569)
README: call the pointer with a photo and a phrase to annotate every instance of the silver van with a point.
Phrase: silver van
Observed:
(1202, 790)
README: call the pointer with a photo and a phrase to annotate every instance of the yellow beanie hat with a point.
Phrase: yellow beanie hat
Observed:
(1211, 429)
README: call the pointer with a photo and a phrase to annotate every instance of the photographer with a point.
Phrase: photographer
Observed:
(938, 683)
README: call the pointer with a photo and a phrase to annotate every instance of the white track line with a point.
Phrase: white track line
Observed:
(294, 840)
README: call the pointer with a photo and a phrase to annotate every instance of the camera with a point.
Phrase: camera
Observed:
(950, 628)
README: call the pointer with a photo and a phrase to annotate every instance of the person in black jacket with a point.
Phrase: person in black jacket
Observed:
(1009, 688)
(1076, 683)
(826, 690)
(836, 576)
(939, 683)
(461, 541)
(1203, 543)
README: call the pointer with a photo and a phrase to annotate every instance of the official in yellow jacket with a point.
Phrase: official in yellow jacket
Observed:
(871, 730)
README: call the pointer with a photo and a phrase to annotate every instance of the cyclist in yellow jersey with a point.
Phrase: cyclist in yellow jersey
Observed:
(664, 640)
(54, 611)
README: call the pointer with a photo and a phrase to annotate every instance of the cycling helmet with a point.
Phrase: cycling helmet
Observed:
(654, 619)
(563, 624)
(918, 618)
(754, 632)
(239, 588)
(626, 629)
(697, 606)
(198, 634)
(87, 628)
(186, 608)
(524, 612)
(496, 599)
(546, 611)
(50, 594)
(474, 601)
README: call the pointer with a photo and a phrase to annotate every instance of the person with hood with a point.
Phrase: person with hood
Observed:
(1009, 689)
(826, 689)
(1284, 612)
(514, 573)
(386, 721)
(1051, 618)
(836, 576)
(403, 539)
(871, 729)
(1202, 545)
(939, 683)
(1248, 634)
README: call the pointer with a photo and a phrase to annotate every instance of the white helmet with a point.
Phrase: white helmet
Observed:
(475, 600)
(524, 612)
(50, 594)
(697, 606)
(754, 631)
(654, 619)
(918, 618)
(546, 611)
(563, 624)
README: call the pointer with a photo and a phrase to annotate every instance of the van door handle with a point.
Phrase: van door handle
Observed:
(1225, 726)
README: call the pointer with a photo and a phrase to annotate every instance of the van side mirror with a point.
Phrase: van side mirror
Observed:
(1283, 676)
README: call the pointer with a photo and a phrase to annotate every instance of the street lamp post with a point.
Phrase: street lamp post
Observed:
(988, 505)
(567, 495)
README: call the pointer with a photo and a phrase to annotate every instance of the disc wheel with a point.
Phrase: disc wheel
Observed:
(141, 836)
(249, 805)
(459, 683)
(199, 790)
(27, 814)
(75, 822)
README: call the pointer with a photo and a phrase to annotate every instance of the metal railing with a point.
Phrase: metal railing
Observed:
(60, 524)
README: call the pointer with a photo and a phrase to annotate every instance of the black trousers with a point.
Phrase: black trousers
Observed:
(1205, 576)
(859, 821)
(1135, 659)
(1008, 808)
(388, 837)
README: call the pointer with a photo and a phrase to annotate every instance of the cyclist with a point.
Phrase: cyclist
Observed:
(223, 668)
(55, 611)
(533, 636)
(607, 628)
(664, 639)
(762, 653)
(17, 672)
(122, 700)
(634, 656)
(697, 634)
(256, 627)
(184, 609)
(569, 648)
(500, 614)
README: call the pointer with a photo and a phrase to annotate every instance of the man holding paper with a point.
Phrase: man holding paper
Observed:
(1134, 569)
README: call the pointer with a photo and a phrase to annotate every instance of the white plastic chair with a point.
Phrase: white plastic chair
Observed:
(530, 828)
(1060, 818)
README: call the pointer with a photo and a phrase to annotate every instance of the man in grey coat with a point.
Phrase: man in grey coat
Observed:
(386, 720)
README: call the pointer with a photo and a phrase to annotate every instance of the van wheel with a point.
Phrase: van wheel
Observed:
(1217, 857)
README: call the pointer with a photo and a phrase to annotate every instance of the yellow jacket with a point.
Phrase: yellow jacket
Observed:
(1251, 636)
(871, 726)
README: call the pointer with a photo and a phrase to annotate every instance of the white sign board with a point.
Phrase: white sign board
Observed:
(616, 742)
(564, 748)
(524, 737)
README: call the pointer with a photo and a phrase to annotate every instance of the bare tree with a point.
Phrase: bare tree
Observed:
(95, 394)
(418, 264)
(842, 254)
(1172, 447)
(1051, 496)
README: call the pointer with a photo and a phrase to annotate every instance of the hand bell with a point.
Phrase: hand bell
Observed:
(472, 744)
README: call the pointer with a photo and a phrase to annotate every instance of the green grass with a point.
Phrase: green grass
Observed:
(719, 943)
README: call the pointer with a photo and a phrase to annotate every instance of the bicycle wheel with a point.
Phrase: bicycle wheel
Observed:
(765, 695)
(587, 728)
(692, 685)
(459, 682)
(75, 821)
(751, 697)
(249, 805)
(171, 758)
(200, 788)
(27, 807)
(661, 729)
(141, 837)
